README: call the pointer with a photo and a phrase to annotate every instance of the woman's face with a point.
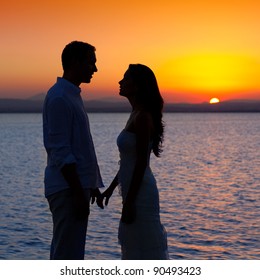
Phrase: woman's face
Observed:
(127, 86)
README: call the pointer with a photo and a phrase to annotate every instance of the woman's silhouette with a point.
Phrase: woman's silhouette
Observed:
(141, 233)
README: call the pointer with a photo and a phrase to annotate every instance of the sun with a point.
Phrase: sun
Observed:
(214, 100)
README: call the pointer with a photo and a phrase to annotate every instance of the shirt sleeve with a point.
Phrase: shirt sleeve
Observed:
(59, 117)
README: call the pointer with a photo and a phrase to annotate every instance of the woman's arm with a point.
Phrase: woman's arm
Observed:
(109, 191)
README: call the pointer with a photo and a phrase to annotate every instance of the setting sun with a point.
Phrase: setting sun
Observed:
(214, 100)
(210, 73)
(197, 49)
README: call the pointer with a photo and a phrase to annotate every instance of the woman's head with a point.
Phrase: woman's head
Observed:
(140, 86)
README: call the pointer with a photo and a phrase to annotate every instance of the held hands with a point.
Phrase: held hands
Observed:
(109, 191)
(107, 194)
(97, 196)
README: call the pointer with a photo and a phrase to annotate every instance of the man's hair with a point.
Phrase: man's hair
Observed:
(75, 51)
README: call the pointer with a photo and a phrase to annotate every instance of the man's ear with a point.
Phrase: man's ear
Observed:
(74, 62)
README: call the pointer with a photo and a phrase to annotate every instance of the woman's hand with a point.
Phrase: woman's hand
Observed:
(107, 194)
(109, 191)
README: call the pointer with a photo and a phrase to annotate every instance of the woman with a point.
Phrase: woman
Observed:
(141, 234)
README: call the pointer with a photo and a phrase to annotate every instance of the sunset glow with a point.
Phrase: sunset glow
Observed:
(197, 48)
(214, 100)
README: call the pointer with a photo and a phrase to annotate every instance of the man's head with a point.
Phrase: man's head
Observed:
(79, 62)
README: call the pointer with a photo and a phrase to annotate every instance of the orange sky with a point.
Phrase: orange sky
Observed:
(198, 49)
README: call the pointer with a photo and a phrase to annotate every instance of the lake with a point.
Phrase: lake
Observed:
(208, 178)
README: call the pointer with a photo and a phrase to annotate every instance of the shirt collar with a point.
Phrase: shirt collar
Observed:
(70, 86)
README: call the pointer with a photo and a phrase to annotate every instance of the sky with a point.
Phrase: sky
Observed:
(198, 49)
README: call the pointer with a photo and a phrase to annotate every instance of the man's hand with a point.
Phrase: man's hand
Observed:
(96, 196)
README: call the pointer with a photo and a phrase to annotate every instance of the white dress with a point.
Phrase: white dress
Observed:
(146, 238)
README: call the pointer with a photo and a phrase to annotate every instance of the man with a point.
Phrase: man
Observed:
(72, 174)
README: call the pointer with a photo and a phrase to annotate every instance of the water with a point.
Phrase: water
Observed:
(208, 177)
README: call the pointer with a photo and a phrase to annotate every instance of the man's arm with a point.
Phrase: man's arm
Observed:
(81, 204)
(69, 172)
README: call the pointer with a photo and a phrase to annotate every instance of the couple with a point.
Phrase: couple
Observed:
(72, 176)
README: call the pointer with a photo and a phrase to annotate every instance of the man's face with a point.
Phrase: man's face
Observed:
(87, 67)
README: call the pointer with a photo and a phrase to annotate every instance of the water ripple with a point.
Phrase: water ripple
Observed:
(208, 177)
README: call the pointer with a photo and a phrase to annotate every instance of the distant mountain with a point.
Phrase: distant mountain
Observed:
(37, 97)
(107, 105)
(34, 105)
(20, 106)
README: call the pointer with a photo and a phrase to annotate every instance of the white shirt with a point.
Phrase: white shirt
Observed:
(67, 138)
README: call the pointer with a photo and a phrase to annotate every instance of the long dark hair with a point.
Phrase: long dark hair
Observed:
(149, 97)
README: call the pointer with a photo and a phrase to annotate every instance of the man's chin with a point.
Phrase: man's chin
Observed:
(87, 80)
